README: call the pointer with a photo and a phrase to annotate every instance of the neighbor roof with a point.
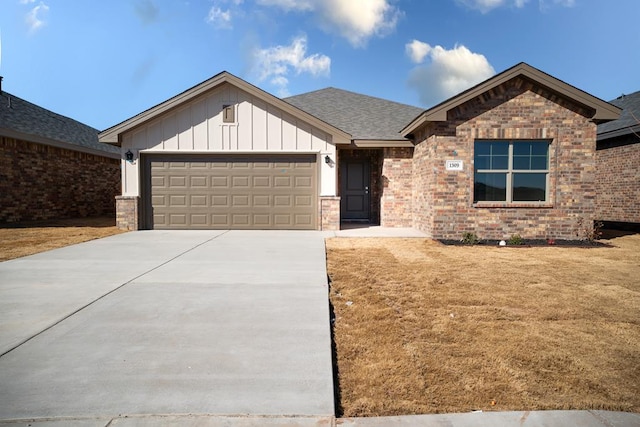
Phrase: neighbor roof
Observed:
(603, 111)
(364, 117)
(629, 121)
(113, 134)
(21, 119)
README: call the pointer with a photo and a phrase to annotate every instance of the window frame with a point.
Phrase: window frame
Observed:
(510, 172)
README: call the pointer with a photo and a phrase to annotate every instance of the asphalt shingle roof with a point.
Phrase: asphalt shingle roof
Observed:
(364, 117)
(21, 116)
(630, 105)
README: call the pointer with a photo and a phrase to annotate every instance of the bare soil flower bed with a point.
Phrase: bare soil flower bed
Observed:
(533, 242)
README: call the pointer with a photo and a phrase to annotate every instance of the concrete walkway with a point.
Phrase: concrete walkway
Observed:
(216, 323)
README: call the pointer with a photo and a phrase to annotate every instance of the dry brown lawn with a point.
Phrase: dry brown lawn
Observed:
(426, 328)
(18, 240)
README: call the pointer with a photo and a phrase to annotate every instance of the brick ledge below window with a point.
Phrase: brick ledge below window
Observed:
(512, 205)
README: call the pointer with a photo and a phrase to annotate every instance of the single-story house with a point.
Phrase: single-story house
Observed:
(512, 155)
(53, 167)
(618, 166)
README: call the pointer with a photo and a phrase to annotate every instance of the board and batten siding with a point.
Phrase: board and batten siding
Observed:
(197, 127)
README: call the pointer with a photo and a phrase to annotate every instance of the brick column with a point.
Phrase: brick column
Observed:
(127, 213)
(329, 213)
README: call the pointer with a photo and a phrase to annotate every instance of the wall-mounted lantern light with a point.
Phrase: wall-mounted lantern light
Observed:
(128, 156)
(327, 160)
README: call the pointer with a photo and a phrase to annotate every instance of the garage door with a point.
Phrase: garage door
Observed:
(232, 192)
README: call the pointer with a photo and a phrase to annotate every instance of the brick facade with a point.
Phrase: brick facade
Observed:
(128, 213)
(40, 182)
(329, 213)
(443, 200)
(396, 201)
(618, 181)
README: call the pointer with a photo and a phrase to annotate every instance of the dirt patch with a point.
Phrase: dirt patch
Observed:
(18, 240)
(421, 327)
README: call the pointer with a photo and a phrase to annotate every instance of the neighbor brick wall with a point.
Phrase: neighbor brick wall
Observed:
(397, 183)
(444, 206)
(39, 182)
(618, 182)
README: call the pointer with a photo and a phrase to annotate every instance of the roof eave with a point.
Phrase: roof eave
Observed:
(9, 133)
(381, 143)
(112, 134)
(635, 129)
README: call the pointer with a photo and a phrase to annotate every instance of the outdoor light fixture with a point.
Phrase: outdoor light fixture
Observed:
(327, 160)
(128, 156)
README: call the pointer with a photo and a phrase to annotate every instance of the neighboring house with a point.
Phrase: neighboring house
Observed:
(618, 166)
(52, 166)
(512, 155)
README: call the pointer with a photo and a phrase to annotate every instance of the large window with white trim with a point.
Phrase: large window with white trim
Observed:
(512, 171)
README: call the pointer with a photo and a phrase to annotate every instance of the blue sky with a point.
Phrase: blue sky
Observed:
(101, 62)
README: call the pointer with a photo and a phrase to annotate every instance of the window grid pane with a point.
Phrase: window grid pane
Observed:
(525, 165)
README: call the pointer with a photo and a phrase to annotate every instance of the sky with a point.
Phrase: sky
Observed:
(102, 62)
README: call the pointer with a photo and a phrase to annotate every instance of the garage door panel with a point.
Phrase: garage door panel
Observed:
(177, 181)
(219, 182)
(236, 191)
(240, 182)
(198, 219)
(303, 201)
(262, 181)
(282, 182)
(199, 200)
(220, 201)
(303, 182)
(261, 201)
(198, 181)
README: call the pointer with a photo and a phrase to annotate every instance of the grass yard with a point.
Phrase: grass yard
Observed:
(426, 328)
(18, 240)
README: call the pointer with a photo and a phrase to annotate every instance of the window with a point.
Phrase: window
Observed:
(511, 171)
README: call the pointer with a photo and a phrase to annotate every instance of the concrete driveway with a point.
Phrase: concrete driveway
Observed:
(159, 322)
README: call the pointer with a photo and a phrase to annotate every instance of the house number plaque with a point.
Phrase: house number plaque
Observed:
(454, 165)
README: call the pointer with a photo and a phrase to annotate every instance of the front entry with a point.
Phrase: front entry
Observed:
(355, 190)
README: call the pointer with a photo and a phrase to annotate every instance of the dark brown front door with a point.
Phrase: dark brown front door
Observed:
(355, 190)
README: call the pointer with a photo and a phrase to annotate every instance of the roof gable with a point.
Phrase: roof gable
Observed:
(113, 134)
(602, 110)
(21, 119)
(364, 117)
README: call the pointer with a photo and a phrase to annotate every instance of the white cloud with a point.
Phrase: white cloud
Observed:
(485, 6)
(355, 20)
(27, 1)
(275, 63)
(417, 50)
(219, 18)
(449, 73)
(35, 19)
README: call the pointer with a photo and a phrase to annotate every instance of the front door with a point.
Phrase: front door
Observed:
(354, 190)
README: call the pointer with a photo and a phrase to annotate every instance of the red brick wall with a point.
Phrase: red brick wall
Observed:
(618, 183)
(397, 183)
(444, 205)
(42, 182)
